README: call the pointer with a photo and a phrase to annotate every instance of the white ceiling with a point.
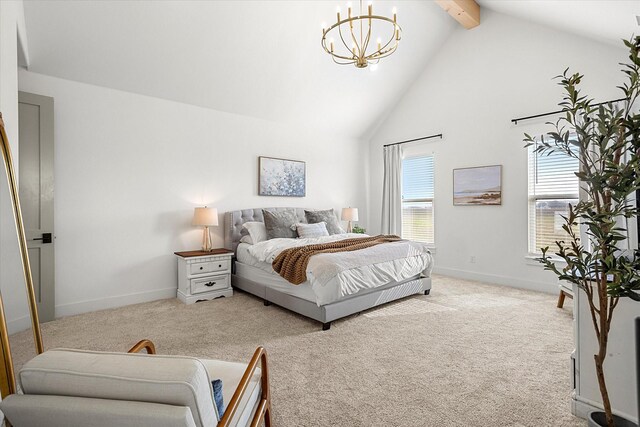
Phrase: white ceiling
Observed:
(263, 58)
(604, 20)
(256, 58)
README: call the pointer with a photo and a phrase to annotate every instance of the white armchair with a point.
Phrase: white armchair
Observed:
(94, 389)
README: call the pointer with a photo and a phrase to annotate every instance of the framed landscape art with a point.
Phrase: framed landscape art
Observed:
(480, 185)
(281, 177)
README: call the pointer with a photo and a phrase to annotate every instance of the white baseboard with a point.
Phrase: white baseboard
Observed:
(551, 288)
(17, 325)
(24, 323)
(113, 302)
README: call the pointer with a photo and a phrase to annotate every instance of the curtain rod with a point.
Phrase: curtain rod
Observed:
(413, 140)
(515, 121)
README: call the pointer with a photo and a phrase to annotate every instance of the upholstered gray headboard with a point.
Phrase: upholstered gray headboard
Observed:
(233, 221)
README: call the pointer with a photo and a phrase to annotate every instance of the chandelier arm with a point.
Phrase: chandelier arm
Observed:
(364, 51)
(366, 41)
(342, 38)
(342, 63)
(393, 38)
(334, 54)
(353, 37)
(387, 53)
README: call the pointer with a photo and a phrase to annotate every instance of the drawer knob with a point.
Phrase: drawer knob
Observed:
(210, 283)
(219, 265)
(201, 268)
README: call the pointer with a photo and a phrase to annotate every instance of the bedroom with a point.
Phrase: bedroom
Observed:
(163, 107)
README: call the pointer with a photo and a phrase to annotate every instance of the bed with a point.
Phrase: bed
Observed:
(252, 273)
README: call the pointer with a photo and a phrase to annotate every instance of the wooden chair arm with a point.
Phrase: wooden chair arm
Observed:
(143, 344)
(264, 407)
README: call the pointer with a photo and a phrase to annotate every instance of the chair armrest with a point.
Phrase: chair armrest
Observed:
(143, 344)
(264, 407)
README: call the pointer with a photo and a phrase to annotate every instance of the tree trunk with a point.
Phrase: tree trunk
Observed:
(599, 358)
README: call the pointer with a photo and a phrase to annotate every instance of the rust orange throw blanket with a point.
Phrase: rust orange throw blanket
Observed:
(292, 263)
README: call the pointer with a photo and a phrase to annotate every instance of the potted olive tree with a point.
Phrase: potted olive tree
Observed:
(605, 139)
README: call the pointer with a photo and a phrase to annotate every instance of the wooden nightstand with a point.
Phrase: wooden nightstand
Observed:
(204, 275)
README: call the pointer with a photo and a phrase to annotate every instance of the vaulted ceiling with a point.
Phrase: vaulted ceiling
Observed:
(255, 58)
(263, 58)
(607, 21)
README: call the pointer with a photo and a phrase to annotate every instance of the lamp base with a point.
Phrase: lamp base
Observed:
(206, 240)
(349, 228)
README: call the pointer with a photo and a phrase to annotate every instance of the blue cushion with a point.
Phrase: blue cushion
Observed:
(217, 396)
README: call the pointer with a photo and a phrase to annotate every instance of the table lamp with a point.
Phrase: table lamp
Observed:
(205, 217)
(349, 214)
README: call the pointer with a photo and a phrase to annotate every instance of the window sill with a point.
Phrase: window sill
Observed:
(531, 260)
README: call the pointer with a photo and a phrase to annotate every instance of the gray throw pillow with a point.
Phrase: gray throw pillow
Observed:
(278, 223)
(306, 231)
(328, 217)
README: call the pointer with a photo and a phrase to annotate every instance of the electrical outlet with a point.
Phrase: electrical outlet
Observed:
(472, 259)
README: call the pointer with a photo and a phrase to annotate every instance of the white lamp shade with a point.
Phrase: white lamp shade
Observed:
(349, 214)
(205, 216)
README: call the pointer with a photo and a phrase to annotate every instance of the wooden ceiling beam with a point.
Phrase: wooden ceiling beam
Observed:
(466, 12)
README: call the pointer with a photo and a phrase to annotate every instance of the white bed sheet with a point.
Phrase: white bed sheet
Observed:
(243, 255)
(341, 275)
(274, 281)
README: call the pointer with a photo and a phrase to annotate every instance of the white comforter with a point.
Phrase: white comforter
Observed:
(334, 276)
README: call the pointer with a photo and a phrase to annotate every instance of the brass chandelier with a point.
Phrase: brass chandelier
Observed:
(358, 30)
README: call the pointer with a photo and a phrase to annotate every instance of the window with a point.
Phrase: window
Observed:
(417, 199)
(553, 185)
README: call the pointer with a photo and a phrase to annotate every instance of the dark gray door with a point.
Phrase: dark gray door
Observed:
(36, 195)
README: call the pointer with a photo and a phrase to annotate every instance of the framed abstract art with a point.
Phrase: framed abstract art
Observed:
(281, 177)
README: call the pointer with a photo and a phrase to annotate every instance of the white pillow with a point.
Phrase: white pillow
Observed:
(257, 231)
(312, 230)
(246, 239)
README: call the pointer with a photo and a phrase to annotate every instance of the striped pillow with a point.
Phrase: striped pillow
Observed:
(318, 229)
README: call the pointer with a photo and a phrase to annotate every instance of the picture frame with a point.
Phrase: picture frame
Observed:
(281, 177)
(477, 186)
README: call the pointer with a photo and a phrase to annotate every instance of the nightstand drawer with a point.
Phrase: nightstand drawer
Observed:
(211, 283)
(208, 267)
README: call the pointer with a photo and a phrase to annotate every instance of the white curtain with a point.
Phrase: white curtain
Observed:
(392, 190)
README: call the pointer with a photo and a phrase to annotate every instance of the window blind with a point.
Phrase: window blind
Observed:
(553, 185)
(417, 199)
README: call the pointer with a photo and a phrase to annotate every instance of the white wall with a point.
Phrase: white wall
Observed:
(472, 88)
(129, 169)
(12, 41)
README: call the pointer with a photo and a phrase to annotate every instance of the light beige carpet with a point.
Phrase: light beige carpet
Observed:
(467, 355)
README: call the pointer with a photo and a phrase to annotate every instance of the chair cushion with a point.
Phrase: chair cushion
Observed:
(231, 373)
(63, 411)
(171, 380)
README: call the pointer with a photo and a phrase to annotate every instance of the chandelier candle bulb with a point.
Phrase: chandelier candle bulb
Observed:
(338, 13)
(379, 44)
(370, 6)
(395, 13)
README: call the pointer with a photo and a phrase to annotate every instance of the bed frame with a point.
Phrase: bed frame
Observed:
(325, 314)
